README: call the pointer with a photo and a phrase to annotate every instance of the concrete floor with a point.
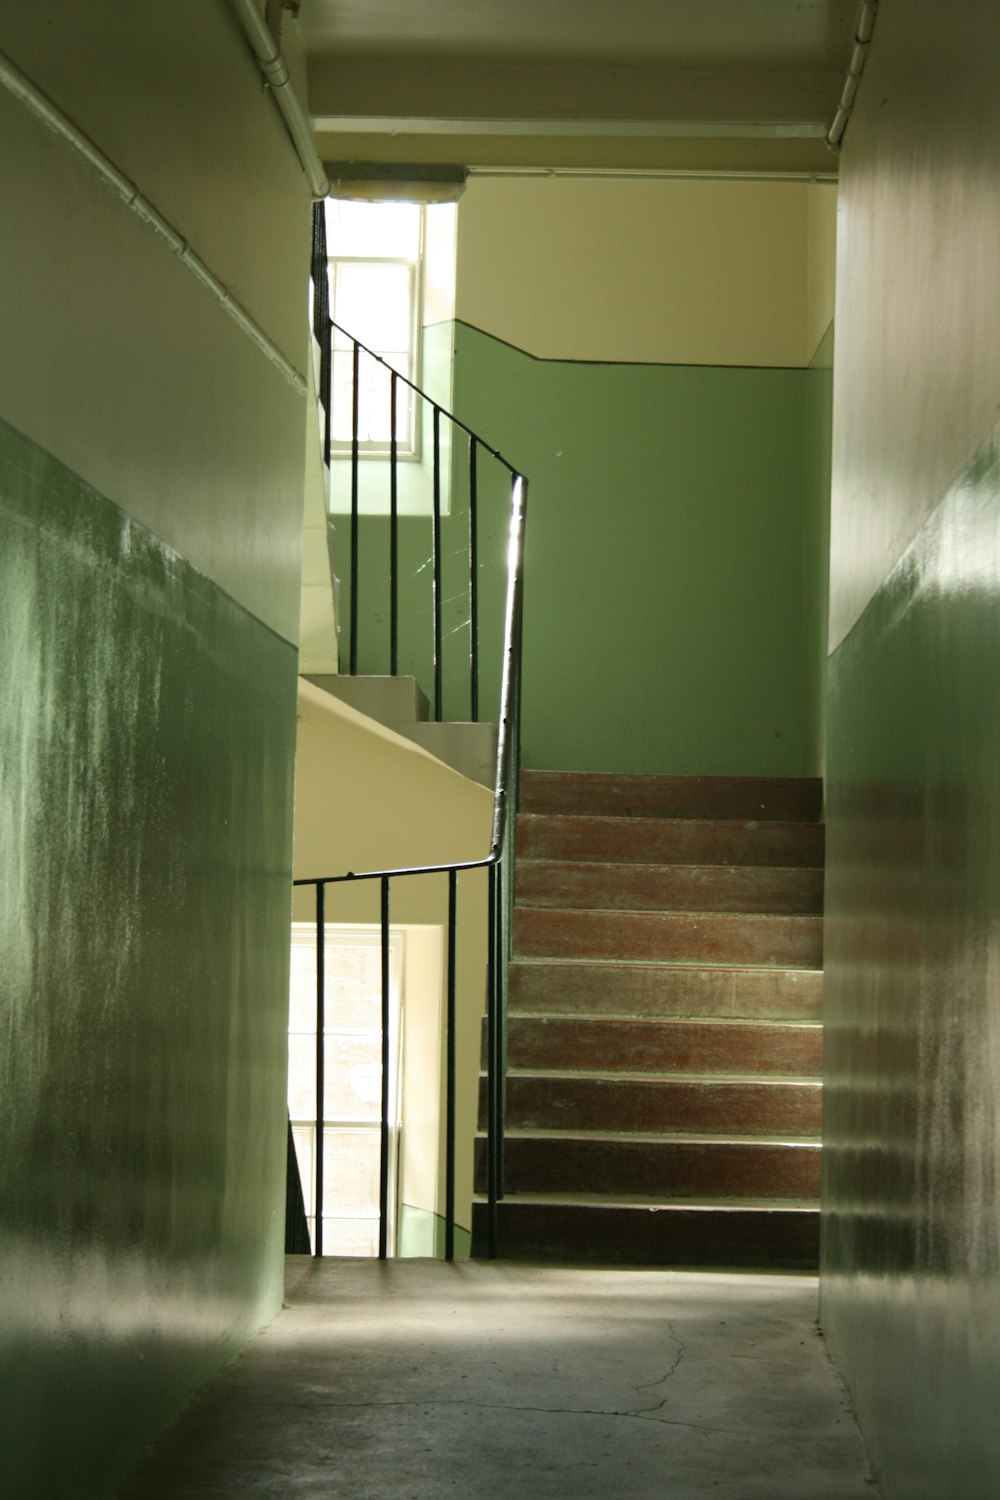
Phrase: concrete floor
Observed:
(409, 1380)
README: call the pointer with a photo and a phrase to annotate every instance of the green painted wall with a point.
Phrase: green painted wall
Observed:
(911, 1235)
(816, 545)
(664, 608)
(146, 736)
(676, 539)
(910, 1285)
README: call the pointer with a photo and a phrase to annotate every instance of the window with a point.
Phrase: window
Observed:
(375, 275)
(352, 1082)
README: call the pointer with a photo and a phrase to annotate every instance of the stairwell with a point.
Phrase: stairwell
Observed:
(664, 1038)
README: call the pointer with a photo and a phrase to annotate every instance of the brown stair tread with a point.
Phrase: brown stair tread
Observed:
(654, 1201)
(630, 794)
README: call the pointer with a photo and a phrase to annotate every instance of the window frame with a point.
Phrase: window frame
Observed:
(408, 449)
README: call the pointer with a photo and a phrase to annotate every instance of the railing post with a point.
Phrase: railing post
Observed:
(318, 1146)
(437, 567)
(384, 1138)
(492, 1060)
(473, 581)
(449, 1210)
(393, 528)
(355, 502)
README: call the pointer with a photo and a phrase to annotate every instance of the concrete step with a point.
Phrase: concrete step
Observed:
(603, 1102)
(578, 1230)
(694, 1166)
(681, 937)
(401, 705)
(609, 1044)
(788, 799)
(392, 701)
(677, 887)
(589, 988)
(686, 841)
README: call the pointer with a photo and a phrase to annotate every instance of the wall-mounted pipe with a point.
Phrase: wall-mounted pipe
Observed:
(863, 31)
(62, 127)
(273, 67)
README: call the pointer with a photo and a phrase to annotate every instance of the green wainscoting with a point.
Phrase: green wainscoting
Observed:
(911, 1244)
(667, 620)
(147, 737)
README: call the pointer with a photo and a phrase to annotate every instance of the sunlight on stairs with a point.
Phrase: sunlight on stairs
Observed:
(664, 1040)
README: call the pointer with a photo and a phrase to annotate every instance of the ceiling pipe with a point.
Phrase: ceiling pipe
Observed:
(273, 67)
(863, 30)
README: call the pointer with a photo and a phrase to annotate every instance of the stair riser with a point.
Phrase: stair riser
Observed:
(688, 1169)
(664, 990)
(544, 1043)
(600, 1104)
(551, 883)
(779, 1239)
(683, 937)
(629, 796)
(669, 840)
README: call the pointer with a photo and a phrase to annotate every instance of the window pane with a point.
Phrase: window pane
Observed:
(374, 303)
(373, 229)
(374, 408)
(350, 1236)
(350, 1171)
(301, 1076)
(353, 1076)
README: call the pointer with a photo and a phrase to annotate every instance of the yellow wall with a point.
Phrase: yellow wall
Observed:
(664, 270)
(178, 390)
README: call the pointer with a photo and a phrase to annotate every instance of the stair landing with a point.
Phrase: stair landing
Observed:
(664, 1040)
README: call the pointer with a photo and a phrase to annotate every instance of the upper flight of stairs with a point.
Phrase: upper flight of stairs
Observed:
(664, 1040)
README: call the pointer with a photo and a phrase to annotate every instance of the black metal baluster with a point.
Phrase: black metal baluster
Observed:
(473, 581)
(449, 1208)
(393, 530)
(320, 1060)
(383, 1181)
(492, 1061)
(436, 551)
(355, 423)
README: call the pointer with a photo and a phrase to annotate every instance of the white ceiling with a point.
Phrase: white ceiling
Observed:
(713, 84)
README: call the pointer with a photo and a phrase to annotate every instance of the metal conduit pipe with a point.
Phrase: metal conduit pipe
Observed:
(863, 31)
(272, 65)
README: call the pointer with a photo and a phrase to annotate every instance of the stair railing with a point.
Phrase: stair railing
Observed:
(499, 860)
(444, 471)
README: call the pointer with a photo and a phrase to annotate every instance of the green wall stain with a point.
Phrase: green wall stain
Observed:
(911, 1243)
(666, 612)
(147, 737)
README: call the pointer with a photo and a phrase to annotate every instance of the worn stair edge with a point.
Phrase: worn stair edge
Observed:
(643, 1104)
(789, 799)
(739, 937)
(613, 885)
(575, 987)
(690, 1166)
(726, 841)
(668, 1234)
(649, 1044)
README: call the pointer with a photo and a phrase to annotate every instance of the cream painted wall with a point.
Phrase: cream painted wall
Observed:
(368, 799)
(916, 384)
(821, 263)
(664, 271)
(181, 387)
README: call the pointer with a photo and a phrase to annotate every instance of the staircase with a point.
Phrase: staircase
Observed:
(664, 1040)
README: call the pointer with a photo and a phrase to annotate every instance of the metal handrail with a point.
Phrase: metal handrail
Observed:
(498, 861)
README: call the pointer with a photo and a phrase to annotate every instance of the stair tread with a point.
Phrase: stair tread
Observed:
(657, 1200)
(661, 1137)
(749, 1023)
(685, 1076)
